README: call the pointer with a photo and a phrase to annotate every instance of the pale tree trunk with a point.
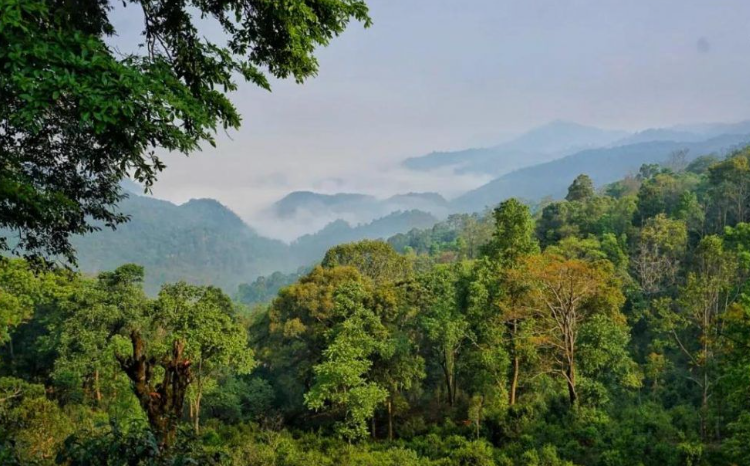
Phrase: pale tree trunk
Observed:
(450, 380)
(571, 377)
(196, 405)
(197, 419)
(390, 418)
(514, 381)
(97, 390)
(516, 365)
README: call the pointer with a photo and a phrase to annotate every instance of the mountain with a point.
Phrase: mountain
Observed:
(204, 242)
(298, 202)
(604, 165)
(311, 248)
(304, 212)
(200, 241)
(548, 142)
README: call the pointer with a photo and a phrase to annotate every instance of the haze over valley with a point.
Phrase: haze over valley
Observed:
(205, 242)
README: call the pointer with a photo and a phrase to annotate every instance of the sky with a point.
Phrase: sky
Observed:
(447, 75)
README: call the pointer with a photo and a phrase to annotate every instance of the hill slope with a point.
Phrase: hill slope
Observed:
(200, 241)
(602, 165)
(203, 242)
(539, 145)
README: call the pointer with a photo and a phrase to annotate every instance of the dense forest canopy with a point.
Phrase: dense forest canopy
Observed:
(608, 328)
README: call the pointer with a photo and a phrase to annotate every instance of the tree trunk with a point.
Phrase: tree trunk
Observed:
(516, 366)
(163, 402)
(97, 390)
(390, 418)
(197, 414)
(571, 378)
(514, 381)
(449, 380)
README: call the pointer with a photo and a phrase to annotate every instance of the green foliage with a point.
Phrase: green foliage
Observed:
(623, 341)
(375, 260)
(340, 379)
(582, 189)
(78, 117)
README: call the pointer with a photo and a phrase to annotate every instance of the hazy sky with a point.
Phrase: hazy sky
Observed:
(437, 75)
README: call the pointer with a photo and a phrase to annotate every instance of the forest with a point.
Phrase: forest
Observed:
(609, 328)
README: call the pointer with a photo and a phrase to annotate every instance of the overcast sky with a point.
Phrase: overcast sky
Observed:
(438, 75)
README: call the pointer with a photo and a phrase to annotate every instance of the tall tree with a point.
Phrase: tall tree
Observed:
(215, 342)
(76, 116)
(661, 246)
(565, 295)
(582, 189)
(86, 330)
(445, 327)
(188, 335)
(512, 241)
(343, 380)
(374, 259)
(19, 288)
(695, 320)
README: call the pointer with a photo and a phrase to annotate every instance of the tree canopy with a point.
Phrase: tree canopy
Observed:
(77, 116)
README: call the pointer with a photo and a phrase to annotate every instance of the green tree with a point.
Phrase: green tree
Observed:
(343, 377)
(512, 241)
(19, 289)
(77, 116)
(444, 326)
(565, 295)
(215, 342)
(86, 331)
(376, 260)
(513, 236)
(582, 189)
(695, 321)
(661, 245)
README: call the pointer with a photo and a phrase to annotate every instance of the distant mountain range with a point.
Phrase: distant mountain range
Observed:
(311, 248)
(603, 165)
(354, 207)
(542, 144)
(204, 242)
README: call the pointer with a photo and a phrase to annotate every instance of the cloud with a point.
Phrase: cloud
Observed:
(404, 88)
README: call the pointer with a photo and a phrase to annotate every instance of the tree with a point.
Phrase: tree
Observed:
(582, 189)
(19, 289)
(444, 327)
(189, 335)
(295, 331)
(203, 319)
(677, 161)
(87, 328)
(512, 241)
(566, 294)
(730, 180)
(695, 324)
(376, 260)
(342, 378)
(661, 245)
(513, 236)
(400, 371)
(77, 117)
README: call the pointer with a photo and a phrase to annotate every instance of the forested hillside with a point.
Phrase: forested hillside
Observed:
(201, 242)
(608, 328)
(204, 243)
(604, 165)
